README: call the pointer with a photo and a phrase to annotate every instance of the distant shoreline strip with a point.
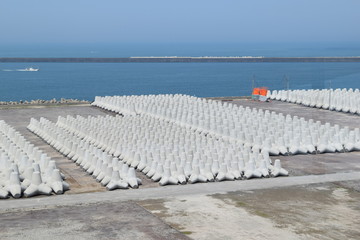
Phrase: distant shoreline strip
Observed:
(180, 59)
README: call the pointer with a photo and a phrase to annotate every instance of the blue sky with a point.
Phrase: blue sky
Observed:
(154, 21)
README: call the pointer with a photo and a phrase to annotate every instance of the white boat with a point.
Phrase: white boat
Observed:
(31, 69)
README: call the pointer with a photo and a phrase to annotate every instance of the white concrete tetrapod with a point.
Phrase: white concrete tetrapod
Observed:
(337, 144)
(350, 144)
(167, 178)
(116, 182)
(158, 173)
(135, 161)
(224, 174)
(37, 187)
(28, 173)
(181, 176)
(102, 172)
(357, 146)
(283, 150)
(52, 164)
(278, 170)
(108, 175)
(309, 145)
(57, 184)
(235, 170)
(87, 160)
(196, 176)
(187, 169)
(263, 168)
(14, 186)
(148, 166)
(142, 164)
(3, 193)
(207, 172)
(132, 179)
(97, 168)
(251, 171)
(325, 146)
(271, 149)
(152, 169)
(215, 167)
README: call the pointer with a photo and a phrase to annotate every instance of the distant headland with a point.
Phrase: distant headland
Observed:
(175, 59)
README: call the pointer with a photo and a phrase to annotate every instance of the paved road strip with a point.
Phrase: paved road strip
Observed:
(173, 191)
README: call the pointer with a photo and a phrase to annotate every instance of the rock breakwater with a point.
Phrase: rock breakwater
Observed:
(44, 102)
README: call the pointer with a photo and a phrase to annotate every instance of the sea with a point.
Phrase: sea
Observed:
(84, 81)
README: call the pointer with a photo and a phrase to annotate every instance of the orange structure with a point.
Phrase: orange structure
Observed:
(260, 91)
(263, 91)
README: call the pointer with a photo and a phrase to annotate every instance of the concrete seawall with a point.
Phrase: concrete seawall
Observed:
(183, 59)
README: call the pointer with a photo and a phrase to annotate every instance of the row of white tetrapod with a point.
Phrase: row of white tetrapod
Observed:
(24, 169)
(106, 169)
(169, 143)
(259, 129)
(165, 152)
(341, 100)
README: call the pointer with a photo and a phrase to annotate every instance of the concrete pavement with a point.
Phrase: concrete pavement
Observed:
(174, 191)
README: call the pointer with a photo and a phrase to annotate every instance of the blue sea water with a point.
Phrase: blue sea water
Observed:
(87, 80)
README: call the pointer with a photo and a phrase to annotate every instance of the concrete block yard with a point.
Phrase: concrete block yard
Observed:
(318, 200)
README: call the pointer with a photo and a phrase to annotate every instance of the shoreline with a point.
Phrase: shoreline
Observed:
(180, 59)
(77, 102)
(42, 103)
